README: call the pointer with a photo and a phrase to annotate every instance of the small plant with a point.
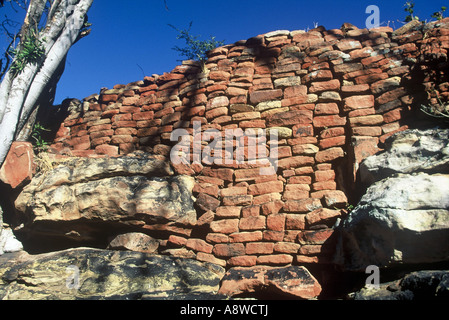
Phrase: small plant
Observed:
(409, 7)
(439, 14)
(32, 50)
(195, 49)
(40, 144)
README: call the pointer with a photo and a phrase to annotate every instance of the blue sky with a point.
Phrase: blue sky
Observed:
(131, 39)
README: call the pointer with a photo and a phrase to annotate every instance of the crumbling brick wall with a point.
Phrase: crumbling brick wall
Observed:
(333, 95)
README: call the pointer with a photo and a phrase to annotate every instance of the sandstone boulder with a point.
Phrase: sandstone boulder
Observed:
(134, 241)
(293, 282)
(403, 217)
(94, 199)
(407, 152)
(89, 274)
(419, 285)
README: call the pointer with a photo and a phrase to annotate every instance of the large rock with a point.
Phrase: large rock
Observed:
(403, 218)
(407, 152)
(419, 285)
(293, 282)
(18, 167)
(86, 273)
(93, 199)
(399, 220)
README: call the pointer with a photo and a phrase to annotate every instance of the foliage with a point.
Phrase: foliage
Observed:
(195, 49)
(32, 50)
(36, 134)
(439, 14)
(409, 7)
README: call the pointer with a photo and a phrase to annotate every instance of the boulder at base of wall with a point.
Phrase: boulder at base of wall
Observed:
(292, 282)
(85, 273)
(403, 218)
(420, 285)
(74, 200)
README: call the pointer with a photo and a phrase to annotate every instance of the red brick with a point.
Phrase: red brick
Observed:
(217, 238)
(332, 198)
(300, 180)
(217, 112)
(208, 188)
(267, 187)
(225, 226)
(393, 115)
(331, 85)
(276, 222)
(246, 236)
(358, 102)
(242, 261)
(259, 248)
(310, 249)
(252, 223)
(290, 118)
(302, 130)
(322, 216)
(294, 162)
(324, 175)
(348, 45)
(361, 112)
(319, 75)
(326, 109)
(356, 89)
(248, 211)
(332, 142)
(275, 259)
(361, 53)
(177, 240)
(220, 173)
(370, 78)
(332, 132)
(272, 207)
(295, 222)
(286, 247)
(109, 97)
(239, 200)
(265, 95)
(228, 212)
(270, 235)
(295, 91)
(329, 155)
(314, 237)
(371, 120)
(329, 121)
(367, 131)
(324, 185)
(199, 245)
(346, 68)
(229, 250)
(107, 150)
(302, 206)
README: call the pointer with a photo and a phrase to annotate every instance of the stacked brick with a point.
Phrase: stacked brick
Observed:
(332, 96)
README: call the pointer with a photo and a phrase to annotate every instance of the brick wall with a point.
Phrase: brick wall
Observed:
(334, 96)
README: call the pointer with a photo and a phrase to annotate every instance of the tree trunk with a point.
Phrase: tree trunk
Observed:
(20, 92)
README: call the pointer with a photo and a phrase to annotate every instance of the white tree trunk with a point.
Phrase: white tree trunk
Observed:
(19, 94)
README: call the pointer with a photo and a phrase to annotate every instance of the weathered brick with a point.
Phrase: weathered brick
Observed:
(290, 118)
(295, 222)
(275, 259)
(321, 86)
(332, 142)
(238, 200)
(259, 248)
(250, 236)
(322, 216)
(199, 245)
(242, 261)
(329, 155)
(286, 247)
(228, 212)
(276, 222)
(229, 249)
(225, 226)
(265, 95)
(252, 223)
(294, 162)
(329, 121)
(358, 102)
(264, 188)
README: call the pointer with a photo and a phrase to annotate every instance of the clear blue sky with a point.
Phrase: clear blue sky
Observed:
(131, 39)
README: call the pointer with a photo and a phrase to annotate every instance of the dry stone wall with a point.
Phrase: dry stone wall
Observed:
(333, 95)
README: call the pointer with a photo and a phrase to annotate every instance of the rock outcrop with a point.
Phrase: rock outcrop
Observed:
(87, 273)
(420, 285)
(90, 200)
(403, 218)
(293, 282)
